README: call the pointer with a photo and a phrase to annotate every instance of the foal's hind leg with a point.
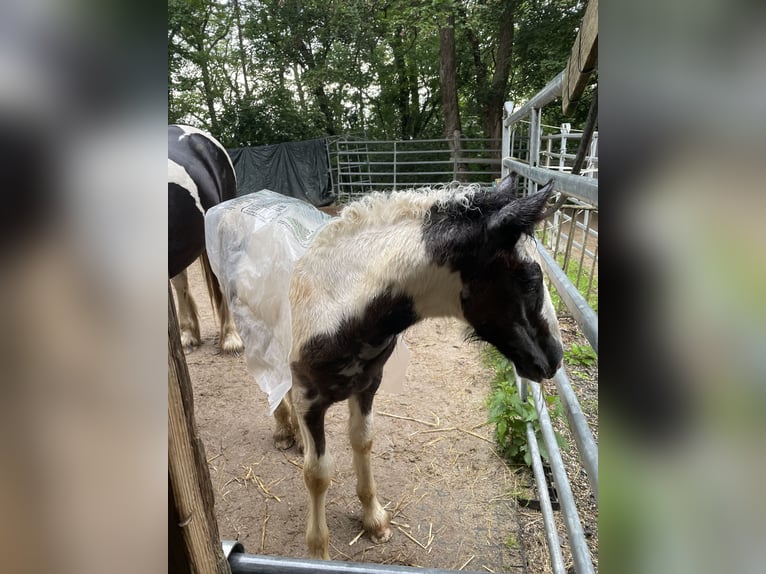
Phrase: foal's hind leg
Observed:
(376, 520)
(187, 312)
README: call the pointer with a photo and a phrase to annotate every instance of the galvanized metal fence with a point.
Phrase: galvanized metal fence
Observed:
(568, 246)
(361, 166)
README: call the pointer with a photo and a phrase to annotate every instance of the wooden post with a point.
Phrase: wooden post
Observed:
(582, 60)
(193, 538)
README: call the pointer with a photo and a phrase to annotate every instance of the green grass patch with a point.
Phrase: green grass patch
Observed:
(582, 355)
(510, 414)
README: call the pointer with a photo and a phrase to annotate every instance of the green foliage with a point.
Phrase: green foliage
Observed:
(263, 72)
(583, 355)
(510, 414)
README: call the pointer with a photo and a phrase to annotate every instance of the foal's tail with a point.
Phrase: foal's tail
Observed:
(213, 287)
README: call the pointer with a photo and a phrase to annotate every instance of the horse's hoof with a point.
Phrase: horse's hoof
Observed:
(189, 342)
(232, 345)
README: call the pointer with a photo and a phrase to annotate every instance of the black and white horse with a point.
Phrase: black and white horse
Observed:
(200, 175)
(386, 263)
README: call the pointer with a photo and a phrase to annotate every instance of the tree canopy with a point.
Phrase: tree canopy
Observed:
(256, 72)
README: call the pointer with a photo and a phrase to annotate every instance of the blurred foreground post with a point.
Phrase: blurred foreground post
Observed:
(194, 544)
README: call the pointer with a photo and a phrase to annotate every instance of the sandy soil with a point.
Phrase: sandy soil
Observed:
(452, 498)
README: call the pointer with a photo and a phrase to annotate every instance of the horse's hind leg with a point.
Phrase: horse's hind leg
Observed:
(376, 521)
(187, 312)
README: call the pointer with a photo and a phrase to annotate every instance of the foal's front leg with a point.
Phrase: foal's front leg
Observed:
(376, 521)
(318, 468)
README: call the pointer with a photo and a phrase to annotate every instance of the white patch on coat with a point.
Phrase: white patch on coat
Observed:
(178, 175)
(526, 250)
(188, 130)
(375, 246)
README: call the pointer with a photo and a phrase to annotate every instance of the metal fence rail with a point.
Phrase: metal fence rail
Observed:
(362, 166)
(578, 217)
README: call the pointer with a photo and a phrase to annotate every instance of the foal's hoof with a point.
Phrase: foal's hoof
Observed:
(381, 535)
(283, 443)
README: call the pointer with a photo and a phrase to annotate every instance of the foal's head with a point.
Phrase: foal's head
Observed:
(503, 297)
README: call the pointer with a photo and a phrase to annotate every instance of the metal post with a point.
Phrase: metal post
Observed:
(534, 146)
(506, 142)
(565, 129)
(394, 165)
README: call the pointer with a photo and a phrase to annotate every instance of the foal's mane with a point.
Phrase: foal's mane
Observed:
(379, 209)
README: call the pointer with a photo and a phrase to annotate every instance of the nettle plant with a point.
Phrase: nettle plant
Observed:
(510, 414)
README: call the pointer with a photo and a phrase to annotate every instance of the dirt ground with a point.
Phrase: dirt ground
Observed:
(451, 497)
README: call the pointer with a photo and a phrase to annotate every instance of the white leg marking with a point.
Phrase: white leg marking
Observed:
(360, 429)
(188, 320)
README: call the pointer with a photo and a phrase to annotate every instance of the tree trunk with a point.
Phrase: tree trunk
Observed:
(242, 55)
(207, 89)
(493, 111)
(447, 78)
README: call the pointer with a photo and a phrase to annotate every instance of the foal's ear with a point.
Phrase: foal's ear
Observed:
(509, 184)
(519, 215)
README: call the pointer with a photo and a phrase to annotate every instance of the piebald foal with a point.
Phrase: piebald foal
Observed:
(200, 175)
(385, 264)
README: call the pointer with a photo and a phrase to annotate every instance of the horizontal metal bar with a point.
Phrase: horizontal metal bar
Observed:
(577, 543)
(586, 317)
(583, 188)
(241, 563)
(545, 96)
(583, 435)
(411, 142)
(569, 136)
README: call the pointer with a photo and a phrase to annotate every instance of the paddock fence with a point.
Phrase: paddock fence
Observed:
(568, 248)
(360, 166)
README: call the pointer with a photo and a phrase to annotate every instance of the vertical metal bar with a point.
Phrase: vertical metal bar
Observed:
(570, 238)
(592, 272)
(534, 146)
(521, 383)
(394, 165)
(513, 142)
(505, 143)
(580, 552)
(585, 234)
(329, 167)
(548, 151)
(565, 129)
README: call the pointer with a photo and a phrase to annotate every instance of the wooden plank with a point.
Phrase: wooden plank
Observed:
(192, 529)
(582, 60)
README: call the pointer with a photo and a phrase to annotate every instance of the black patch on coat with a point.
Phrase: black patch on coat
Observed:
(209, 168)
(186, 230)
(360, 347)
